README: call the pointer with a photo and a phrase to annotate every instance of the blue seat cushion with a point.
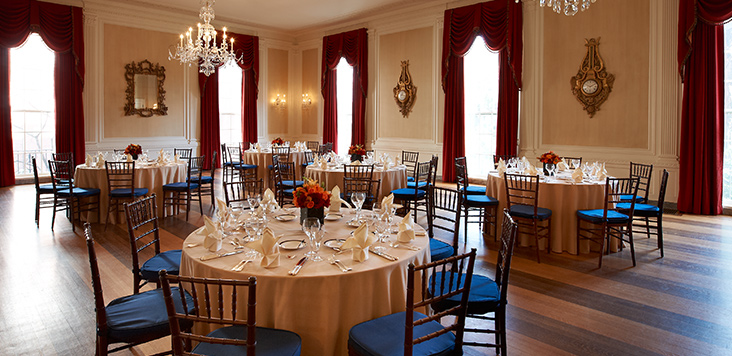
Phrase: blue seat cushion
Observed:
(269, 342)
(48, 188)
(203, 180)
(142, 317)
(479, 201)
(527, 212)
(168, 260)
(419, 185)
(293, 183)
(474, 190)
(646, 210)
(484, 295)
(78, 192)
(408, 194)
(180, 186)
(228, 164)
(410, 179)
(127, 192)
(385, 336)
(629, 197)
(245, 166)
(440, 250)
(595, 216)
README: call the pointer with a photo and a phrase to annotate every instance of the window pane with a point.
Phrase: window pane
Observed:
(230, 83)
(727, 166)
(344, 74)
(32, 102)
(481, 108)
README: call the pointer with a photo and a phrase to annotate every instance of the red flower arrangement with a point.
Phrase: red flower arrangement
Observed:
(311, 195)
(278, 141)
(133, 149)
(549, 157)
(357, 150)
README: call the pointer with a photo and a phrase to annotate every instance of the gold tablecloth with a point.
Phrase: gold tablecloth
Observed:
(264, 160)
(393, 178)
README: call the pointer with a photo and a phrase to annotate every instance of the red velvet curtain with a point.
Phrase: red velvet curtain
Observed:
(61, 28)
(500, 23)
(210, 128)
(249, 50)
(701, 64)
(353, 46)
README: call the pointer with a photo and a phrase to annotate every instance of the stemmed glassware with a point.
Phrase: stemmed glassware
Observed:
(512, 162)
(357, 199)
(381, 227)
(253, 199)
(311, 227)
(551, 168)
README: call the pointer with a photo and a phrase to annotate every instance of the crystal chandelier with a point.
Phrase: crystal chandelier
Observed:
(571, 7)
(204, 51)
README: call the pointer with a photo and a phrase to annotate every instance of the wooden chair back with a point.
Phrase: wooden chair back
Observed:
(213, 164)
(63, 156)
(36, 180)
(241, 190)
(183, 153)
(234, 154)
(643, 173)
(445, 203)
(195, 168)
(509, 233)
(662, 191)
(224, 154)
(358, 179)
(99, 305)
(410, 159)
(309, 157)
(282, 152)
(61, 174)
(209, 307)
(143, 231)
(615, 189)
(461, 177)
(456, 276)
(313, 146)
(120, 175)
(243, 146)
(522, 190)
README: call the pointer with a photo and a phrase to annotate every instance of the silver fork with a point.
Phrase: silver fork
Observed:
(339, 264)
(240, 266)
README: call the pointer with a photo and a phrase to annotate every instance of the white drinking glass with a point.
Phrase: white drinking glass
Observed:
(311, 227)
(357, 199)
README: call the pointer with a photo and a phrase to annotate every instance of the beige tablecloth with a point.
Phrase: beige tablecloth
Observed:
(564, 199)
(152, 177)
(264, 159)
(321, 303)
(393, 178)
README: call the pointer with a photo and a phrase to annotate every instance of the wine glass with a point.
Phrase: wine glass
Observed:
(357, 199)
(381, 227)
(512, 163)
(311, 227)
(551, 168)
(253, 199)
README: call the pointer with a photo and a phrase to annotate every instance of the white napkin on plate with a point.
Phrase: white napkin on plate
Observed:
(387, 202)
(501, 167)
(100, 160)
(268, 199)
(406, 229)
(88, 160)
(561, 166)
(269, 249)
(213, 239)
(359, 243)
(577, 176)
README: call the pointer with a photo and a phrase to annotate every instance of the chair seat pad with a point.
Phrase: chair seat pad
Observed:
(203, 180)
(142, 317)
(245, 166)
(127, 192)
(385, 336)
(48, 188)
(419, 185)
(640, 209)
(269, 342)
(629, 197)
(410, 179)
(595, 216)
(167, 260)
(440, 250)
(527, 212)
(477, 201)
(78, 192)
(408, 194)
(228, 164)
(293, 183)
(484, 296)
(475, 190)
(180, 186)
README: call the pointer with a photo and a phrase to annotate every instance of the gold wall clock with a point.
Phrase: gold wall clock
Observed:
(405, 92)
(592, 84)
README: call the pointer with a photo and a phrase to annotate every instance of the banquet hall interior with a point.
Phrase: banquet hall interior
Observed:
(620, 84)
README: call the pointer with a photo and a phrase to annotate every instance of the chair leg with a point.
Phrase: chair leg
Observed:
(38, 208)
(536, 238)
(188, 204)
(53, 217)
(101, 346)
(466, 224)
(648, 228)
(659, 232)
(602, 246)
(200, 201)
(71, 208)
(632, 245)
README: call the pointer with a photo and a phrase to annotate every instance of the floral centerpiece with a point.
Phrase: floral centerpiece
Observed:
(549, 158)
(312, 199)
(278, 142)
(133, 150)
(357, 152)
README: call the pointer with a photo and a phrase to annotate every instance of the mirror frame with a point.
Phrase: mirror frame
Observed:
(144, 67)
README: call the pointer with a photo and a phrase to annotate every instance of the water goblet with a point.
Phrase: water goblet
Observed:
(311, 227)
(551, 168)
(357, 199)
(253, 199)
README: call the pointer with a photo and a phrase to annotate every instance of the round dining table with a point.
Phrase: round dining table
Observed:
(564, 197)
(391, 179)
(147, 175)
(320, 303)
(263, 159)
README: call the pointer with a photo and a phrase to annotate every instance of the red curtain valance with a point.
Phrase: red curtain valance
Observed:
(711, 12)
(353, 46)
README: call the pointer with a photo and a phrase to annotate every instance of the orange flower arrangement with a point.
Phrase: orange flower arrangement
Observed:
(356, 150)
(278, 141)
(311, 195)
(133, 149)
(549, 157)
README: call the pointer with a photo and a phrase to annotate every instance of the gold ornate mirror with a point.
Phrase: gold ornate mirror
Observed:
(145, 92)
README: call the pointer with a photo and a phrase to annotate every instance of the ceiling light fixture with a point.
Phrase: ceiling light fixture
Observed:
(204, 52)
(570, 7)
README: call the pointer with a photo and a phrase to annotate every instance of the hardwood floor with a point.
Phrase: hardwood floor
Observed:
(677, 305)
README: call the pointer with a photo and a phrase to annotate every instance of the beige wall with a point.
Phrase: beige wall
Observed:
(123, 45)
(622, 26)
(277, 83)
(311, 86)
(416, 47)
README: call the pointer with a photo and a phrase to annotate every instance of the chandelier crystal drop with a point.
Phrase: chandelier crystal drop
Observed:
(203, 50)
(569, 7)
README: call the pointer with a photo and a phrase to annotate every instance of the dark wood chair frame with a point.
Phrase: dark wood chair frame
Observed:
(241, 190)
(179, 198)
(313, 146)
(505, 159)
(61, 174)
(411, 160)
(487, 216)
(524, 190)
(183, 153)
(653, 225)
(643, 172)
(120, 175)
(210, 188)
(359, 179)
(44, 199)
(444, 207)
(143, 231)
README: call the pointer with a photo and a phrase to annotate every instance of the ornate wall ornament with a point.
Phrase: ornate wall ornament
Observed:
(145, 93)
(592, 84)
(405, 93)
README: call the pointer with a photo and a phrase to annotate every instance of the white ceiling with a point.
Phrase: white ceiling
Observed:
(285, 15)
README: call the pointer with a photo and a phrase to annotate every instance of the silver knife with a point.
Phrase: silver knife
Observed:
(217, 255)
(298, 266)
(384, 255)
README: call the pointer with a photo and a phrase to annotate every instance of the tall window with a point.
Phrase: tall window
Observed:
(230, 83)
(481, 108)
(345, 105)
(32, 104)
(727, 166)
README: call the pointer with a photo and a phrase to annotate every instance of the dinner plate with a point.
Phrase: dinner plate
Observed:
(292, 244)
(334, 243)
(353, 223)
(285, 217)
(333, 217)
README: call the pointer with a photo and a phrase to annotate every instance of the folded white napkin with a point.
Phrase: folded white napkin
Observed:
(577, 176)
(323, 164)
(501, 167)
(269, 200)
(387, 202)
(561, 166)
(356, 163)
(128, 158)
(222, 211)
(100, 160)
(359, 243)
(88, 160)
(336, 201)
(406, 229)
(523, 159)
(531, 170)
(258, 147)
(213, 239)
(601, 172)
(177, 159)
(269, 249)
